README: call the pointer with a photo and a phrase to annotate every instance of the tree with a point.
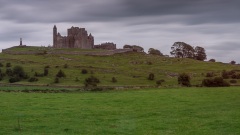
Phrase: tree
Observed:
(114, 80)
(60, 74)
(151, 76)
(182, 50)
(18, 71)
(233, 62)
(45, 71)
(91, 81)
(184, 79)
(212, 60)
(154, 52)
(200, 53)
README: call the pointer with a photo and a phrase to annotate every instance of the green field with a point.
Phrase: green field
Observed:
(130, 69)
(176, 111)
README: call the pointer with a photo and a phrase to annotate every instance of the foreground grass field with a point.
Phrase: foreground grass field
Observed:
(182, 111)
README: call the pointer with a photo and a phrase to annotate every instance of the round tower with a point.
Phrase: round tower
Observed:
(54, 36)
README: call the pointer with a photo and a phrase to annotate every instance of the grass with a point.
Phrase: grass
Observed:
(128, 69)
(183, 111)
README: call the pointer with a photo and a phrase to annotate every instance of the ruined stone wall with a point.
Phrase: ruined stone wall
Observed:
(107, 46)
(76, 38)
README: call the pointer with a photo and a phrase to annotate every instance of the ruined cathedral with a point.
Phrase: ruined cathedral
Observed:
(76, 38)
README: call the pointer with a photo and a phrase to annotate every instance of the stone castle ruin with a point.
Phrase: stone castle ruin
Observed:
(76, 38)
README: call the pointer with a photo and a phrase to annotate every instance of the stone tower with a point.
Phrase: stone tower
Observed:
(54, 36)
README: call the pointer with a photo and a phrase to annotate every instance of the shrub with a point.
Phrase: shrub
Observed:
(14, 79)
(9, 72)
(1, 65)
(56, 80)
(47, 66)
(91, 81)
(225, 74)
(184, 79)
(45, 72)
(84, 71)
(151, 76)
(233, 81)
(38, 74)
(19, 71)
(60, 74)
(114, 80)
(65, 66)
(8, 64)
(212, 60)
(76, 79)
(215, 82)
(210, 74)
(159, 82)
(33, 79)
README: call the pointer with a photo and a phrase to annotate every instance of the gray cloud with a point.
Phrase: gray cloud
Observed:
(149, 23)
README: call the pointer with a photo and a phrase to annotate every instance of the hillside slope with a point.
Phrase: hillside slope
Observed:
(127, 68)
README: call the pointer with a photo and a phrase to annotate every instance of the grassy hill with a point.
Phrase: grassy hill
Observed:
(128, 68)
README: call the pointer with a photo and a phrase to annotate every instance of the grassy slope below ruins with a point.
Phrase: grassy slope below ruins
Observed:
(128, 68)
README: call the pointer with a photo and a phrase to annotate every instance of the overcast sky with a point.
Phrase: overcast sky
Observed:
(212, 24)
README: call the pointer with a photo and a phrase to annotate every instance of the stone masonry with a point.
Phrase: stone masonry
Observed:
(76, 38)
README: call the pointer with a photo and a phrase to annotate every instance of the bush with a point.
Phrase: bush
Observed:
(8, 64)
(18, 71)
(56, 80)
(38, 74)
(233, 81)
(60, 74)
(65, 66)
(91, 81)
(84, 71)
(9, 72)
(215, 82)
(151, 76)
(114, 80)
(210, 74)
(225, 74)
(184, 79)
(14, 79)
(159, 82)
(33, 79)
(45, 72)
(1, 65)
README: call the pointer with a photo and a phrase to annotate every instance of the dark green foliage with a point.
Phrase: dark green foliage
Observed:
(1, 65)
(47, 66)
(60, 74)
(56, 80)
(233, 81)
(9, 72)
(91, 81)
(159, 82)
(114, 80)
(215, 82)
(200, 53)
(154, 52)
(233, 62)
(84, 71)
(33, 79)
(225, 74)
(14, 79)
(8, 64)
(212, 60)
(184, 79)
(65, 66)
(76, 79)
(151, 76)
(19, 71)
(45, 72)
(39, 74)
(210, 74)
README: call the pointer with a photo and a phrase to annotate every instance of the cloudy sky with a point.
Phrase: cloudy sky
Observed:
(212, 24)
